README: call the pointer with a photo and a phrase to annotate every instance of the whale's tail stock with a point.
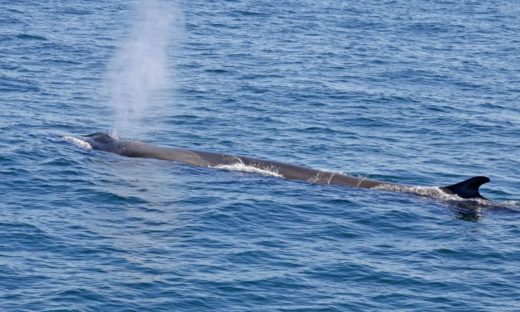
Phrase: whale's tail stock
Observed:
(467, 189)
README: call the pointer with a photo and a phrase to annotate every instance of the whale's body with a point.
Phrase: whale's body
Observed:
(468, 189)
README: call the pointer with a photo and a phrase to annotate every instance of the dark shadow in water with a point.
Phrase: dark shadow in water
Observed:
(474, 211)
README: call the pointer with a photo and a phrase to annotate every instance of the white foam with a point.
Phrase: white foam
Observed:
(433, 192)
(430, 191)
(239, 166)
(78, 142)
(511, 203)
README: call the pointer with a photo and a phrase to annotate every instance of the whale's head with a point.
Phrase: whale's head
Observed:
(103, 141)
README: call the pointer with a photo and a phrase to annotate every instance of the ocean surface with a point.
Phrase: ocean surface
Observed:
(413, 92)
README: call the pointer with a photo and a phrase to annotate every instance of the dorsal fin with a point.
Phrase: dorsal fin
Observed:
(468, 188)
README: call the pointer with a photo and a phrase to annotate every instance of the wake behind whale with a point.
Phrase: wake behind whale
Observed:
(467, 190)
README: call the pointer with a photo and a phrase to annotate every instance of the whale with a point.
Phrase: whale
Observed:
(465, 190)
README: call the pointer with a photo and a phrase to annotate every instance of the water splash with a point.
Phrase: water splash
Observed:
(78, 142)
(438, 193)
(140, 67)
(428, 191)
(512, 203)
(240, 166)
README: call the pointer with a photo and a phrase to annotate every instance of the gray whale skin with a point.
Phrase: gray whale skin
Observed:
(468, 189)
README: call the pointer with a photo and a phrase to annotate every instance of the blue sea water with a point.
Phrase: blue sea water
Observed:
(413, 92)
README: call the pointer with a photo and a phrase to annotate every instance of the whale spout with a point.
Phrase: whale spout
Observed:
(467, 189)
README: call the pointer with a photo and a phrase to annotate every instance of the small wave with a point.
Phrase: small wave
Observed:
(244, 168)
(78, 142)
(31, 37)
